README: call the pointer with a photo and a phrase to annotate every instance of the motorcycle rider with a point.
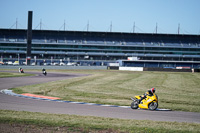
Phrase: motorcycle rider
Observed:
(149, 93)
(43, 70)
(21, 70)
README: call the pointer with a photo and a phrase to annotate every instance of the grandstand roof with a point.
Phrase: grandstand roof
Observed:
(109, 36)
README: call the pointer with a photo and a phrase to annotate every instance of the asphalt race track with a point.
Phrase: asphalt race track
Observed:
(8, 102)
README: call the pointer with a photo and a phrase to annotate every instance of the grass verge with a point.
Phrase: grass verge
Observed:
(41, 122)
(8, 74)
(176, 91)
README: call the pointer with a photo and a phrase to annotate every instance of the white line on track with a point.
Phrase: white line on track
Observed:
(9, 92)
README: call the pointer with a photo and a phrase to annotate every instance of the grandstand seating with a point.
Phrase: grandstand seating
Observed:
(101, 45)
(160, 44)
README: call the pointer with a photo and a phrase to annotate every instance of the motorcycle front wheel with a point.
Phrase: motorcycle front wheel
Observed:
(134, 105)
(153, 105)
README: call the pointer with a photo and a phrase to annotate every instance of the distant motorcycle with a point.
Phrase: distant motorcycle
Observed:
(21, 70)
(44, 72)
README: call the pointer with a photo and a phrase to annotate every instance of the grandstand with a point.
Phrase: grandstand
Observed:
(100, 48)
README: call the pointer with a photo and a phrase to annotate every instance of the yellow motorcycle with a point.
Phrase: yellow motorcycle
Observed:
(150, 102)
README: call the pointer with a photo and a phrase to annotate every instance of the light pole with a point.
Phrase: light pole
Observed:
(18, 57)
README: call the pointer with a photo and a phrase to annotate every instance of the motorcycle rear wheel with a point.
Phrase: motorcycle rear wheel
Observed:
(153, 105)
(134, 105)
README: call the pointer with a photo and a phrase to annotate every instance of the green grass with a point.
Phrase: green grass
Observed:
(90, 124)
(8, 74)
(176, 91)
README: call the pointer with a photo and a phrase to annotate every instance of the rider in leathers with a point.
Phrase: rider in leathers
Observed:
(149, 93)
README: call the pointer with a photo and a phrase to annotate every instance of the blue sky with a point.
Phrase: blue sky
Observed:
(100, 13)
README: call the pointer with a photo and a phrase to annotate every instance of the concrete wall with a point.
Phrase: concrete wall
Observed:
(54, 67)
(131, 68)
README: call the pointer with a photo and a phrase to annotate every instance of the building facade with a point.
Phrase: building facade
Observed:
(101, 47)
